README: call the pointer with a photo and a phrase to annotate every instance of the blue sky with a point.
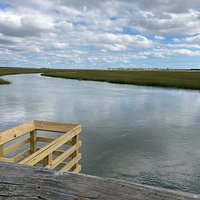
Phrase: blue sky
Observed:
(100, 34)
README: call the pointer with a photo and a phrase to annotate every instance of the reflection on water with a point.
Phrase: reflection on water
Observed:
(143, 134)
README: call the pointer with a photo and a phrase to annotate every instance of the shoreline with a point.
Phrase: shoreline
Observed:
(14, 71)
(166, 79)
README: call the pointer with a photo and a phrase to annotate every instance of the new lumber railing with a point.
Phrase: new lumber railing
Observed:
(27, 145)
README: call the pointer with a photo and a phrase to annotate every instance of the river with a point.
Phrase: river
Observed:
(143, 134)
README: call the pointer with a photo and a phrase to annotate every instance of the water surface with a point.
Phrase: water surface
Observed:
(144, 134)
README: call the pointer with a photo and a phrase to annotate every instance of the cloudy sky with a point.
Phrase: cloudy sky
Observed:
(100, 33)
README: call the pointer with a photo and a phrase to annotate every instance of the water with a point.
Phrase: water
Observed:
(144, 134)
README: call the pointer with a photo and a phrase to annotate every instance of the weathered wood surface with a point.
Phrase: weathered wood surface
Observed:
(24, 182)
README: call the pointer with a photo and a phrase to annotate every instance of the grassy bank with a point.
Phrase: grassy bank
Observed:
(174, 79)
(11, 71)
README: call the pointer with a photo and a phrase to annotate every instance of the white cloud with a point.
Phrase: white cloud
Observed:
(166, 24)
(114, 47)
(191, 39)
(24, 23)
(173, 6)
(80, 33)
(119, 42)
(59, 45)
(184, 45)
(158, 37)
(166, 53)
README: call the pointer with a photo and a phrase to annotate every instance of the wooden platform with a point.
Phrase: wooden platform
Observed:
(24, 183)
(24, 144)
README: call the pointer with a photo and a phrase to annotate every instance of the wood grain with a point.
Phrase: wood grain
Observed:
(24, 182)
(12, 134)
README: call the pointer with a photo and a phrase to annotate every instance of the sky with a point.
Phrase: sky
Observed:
(100, 33)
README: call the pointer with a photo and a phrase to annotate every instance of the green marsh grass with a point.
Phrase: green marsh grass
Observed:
(174, 79)
(10, 71)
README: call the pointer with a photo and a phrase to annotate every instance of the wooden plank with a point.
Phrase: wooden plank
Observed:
(59, 152)
(16, 146)
(45, 139)
(23, 182)
(4, 159)
(16, 132)
(63, 156)
(21, 155)
(62, 164)
(71, 163)
(53, 126)
(33, 141)
(49, 139)
(46, 150)
(56, 152)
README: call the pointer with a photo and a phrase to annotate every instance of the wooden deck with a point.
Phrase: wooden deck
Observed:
(21, 145)
(24, 183)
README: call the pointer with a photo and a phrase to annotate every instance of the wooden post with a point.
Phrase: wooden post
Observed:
(50, 158)
(33, 141)
(75, 140)
(1, 151)
(47, 160)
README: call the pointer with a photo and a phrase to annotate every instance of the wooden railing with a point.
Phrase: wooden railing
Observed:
(24, 182)
(26, 145)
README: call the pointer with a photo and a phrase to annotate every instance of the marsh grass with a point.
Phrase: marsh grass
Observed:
(2, 81)
(174, 79)
(11, 71)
